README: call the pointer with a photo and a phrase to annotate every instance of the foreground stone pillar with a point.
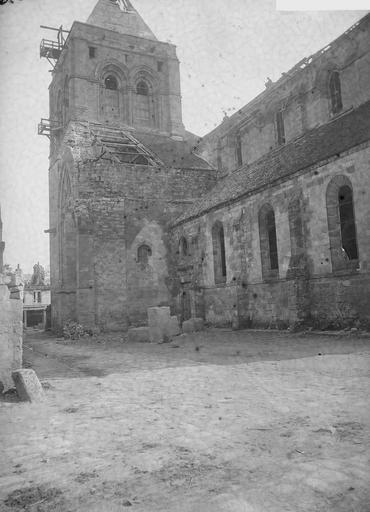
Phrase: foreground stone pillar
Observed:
(11, 333)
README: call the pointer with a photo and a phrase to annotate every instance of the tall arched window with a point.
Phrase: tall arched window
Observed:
(268, 242)
(219, 259)
(347, 222)
(239, 151)
(144, 115)
(341, 224)
(110, 104)
(143, 253)
(335, 92)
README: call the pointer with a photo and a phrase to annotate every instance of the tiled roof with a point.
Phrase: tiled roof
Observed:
(316, 145)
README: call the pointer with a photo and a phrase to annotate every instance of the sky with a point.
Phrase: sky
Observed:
(226, 51)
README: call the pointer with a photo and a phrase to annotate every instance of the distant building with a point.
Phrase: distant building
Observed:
(36, 299)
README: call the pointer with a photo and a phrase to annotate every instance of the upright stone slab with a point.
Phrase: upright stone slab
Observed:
(11, 333)
(159, 320)
(28, 385)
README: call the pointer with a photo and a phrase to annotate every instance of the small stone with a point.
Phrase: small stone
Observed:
(127, 504)
(28, 385)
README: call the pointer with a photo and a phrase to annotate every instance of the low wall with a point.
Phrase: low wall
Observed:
(341, 300)
(327, 302)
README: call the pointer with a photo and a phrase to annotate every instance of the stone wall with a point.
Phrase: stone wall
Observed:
(11, 332)
(302, 94)
(306, 287)
(112, 209)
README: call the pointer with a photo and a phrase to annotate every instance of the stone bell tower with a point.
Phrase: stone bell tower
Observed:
(112, 70)
(121, 165)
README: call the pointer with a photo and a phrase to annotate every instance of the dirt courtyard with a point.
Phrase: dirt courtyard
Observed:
(226, 421)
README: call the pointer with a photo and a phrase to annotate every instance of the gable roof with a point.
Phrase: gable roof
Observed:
(316, 145)
(120, 16)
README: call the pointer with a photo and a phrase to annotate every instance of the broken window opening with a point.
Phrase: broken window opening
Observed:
(219, 254)
(347, 222)
(268, 242)
(271, 233)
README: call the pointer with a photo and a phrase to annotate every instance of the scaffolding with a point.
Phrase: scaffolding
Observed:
(48, 127)
(51, 49)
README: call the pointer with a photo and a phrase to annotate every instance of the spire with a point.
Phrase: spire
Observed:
(120, 16)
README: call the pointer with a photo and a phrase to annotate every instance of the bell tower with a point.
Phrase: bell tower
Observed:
(112, 70)
(121, 167)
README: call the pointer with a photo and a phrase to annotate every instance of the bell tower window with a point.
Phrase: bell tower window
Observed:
(110, 99)
(143, 104)
(111, 83)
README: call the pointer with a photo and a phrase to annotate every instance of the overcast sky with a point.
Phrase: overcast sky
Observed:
(226, 50)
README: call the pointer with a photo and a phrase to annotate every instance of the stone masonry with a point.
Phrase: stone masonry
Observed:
(262, 222)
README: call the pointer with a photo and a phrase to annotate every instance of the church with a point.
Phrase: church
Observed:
(264, 220)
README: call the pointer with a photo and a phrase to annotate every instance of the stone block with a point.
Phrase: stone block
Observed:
(159, 319)
(193, 324)
(138, 334)
(28, 385)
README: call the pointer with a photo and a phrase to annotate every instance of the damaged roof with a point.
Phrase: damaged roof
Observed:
(316, 145)
(174, 153)
(142, 148)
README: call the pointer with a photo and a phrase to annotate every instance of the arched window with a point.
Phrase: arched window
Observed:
(239, 151)
(268, 242)
(142, 88)
(335, 92)
(280, 129)
(219, 260)
(144, 115)
(347, 222)
(341, 224)
(143, 253)
(110, 99)
(183, 246)
(111, 83)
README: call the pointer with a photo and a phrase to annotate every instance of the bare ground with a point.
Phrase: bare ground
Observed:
(217, 421)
